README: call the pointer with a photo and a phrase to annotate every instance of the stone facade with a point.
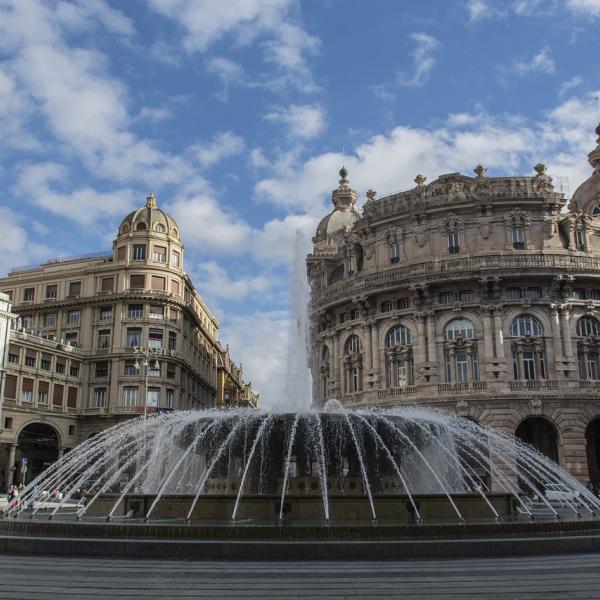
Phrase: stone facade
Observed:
(477, 295)
(233, 391)
(70, 361)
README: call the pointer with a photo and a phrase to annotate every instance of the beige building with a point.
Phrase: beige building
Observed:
(232, 390)
(478, 295)
(100, 338)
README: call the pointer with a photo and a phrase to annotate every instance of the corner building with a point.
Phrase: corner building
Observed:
(70, 364)
(475, 295)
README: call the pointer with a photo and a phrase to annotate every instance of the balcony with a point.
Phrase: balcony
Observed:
(407, 390)
(463, 386)
(535, 384)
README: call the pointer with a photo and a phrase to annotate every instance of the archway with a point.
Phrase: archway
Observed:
(38, 444)
(541, 434)
(592, 440)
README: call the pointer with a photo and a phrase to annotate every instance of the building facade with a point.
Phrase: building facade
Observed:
(477, 295)
(101, 338)
(232, 390)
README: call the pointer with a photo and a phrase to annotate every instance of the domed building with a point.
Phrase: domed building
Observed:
(477, 295)
(104, 337)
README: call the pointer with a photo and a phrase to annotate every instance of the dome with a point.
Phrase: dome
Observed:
(343, 215)
(587, 195)
(150, 217)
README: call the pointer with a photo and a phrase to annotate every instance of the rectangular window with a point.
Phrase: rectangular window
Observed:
(394, 252)
(30, 360)
(154, 368)
(51, 292)
(99, 399)
(453, 243)
(158, 283)
(43, 392)
(512, 293)
(73, 317)
(105, 313)
(135, 311)
(580, 240)
(518, 238)
(27, 390)
(10, 387)
(28, 294)
(137, 282)
(60, 367)
(169, 398)
(155, 338)
(74, 369)
(592, 365)
(129, 368)
(350, 265)
(172, 340)
(465, 296)
(534, 293)
(157, 312)
(387, 306)
(153, 396)
(475, 365)
(528, 365)
(75, 288)
(72, 397)
(342, 317)
(9, 294)
(446, 298)
(461, 366)
(134, 336)
(139, 252)
(46, 362)
(130, 396)
(57, 395)
(71, 339)
(49, 320)
(104, 339)
(108, 284)
(402, 303)
(121, 252)
(171, 371)
(8, 423)
(26, 321)
(174, 259)
(174, 287)
(173, 315)
(101, 369)
(13, 357)
(159, 254)
(355, 314)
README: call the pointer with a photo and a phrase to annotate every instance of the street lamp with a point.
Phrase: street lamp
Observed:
(147, 358)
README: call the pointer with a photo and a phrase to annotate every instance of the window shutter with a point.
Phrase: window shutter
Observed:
(121, 252)
(137, 281)
(75, 288)
(10, 387)
(27, 385)
(158, 283)
(43, 386)
(57, 396)
(72, 397)
(175, 287)
(108, 284)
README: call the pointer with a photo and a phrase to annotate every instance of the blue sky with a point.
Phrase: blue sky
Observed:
(235, 112)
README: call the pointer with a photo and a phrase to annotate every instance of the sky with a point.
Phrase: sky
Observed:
(238, 115)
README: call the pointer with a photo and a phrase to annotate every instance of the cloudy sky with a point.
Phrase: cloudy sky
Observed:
(235, 113)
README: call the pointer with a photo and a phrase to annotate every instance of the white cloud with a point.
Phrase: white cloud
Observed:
(84, 205)
(588, 8)
(260, 341)
(16, 248)
(229, 72)
(223, 145)
(425, 47)
(569, 85)
(154, 115)
(481, 10)
(542, 62)
(302, 121)
(272, 24)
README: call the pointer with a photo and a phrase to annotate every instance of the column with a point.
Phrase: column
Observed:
(420, 356)
(10, 474)
(368, 347)
(566, 333)
(375, 355)
(556, 341)
(431, 337)
(488, 337)
(337, 388)
(499, 334)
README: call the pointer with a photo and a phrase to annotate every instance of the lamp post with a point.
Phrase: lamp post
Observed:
(148, 358)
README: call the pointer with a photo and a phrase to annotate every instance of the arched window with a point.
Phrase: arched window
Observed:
(353, 364)
(399, 357)
(526, 325)
(528, 349)
(399, 335)
(462, 358)
(588, 348)
(596, 211)
(125, 228)
(175, 233)
(459, 328)
(588, 327)
(324, 369)
(141, 226)
(160, 228)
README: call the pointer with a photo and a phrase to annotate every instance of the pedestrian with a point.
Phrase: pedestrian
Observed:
(14, 502)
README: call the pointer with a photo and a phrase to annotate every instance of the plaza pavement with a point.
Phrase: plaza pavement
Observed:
(525, 578)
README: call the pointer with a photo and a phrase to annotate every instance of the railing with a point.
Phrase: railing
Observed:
(537, 384)
(408, 390)
(63, 259)
(353, 397)
(465, 386)
(463, 264)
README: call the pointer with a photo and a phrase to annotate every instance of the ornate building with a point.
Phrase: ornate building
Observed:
(232, 390)
(103, 337)
(478, 295)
